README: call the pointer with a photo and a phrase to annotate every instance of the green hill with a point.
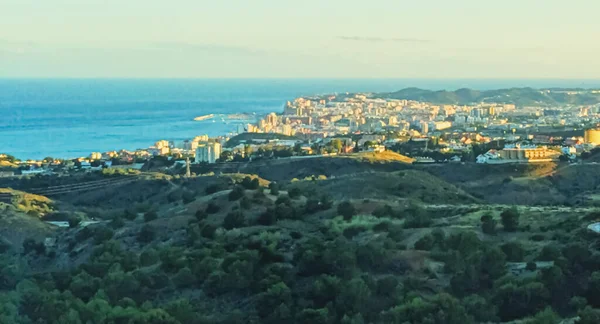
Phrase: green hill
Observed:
(518, 96)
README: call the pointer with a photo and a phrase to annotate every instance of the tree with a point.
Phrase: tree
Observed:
(547, 316)
(336, 144)
(346, 209)
(146, 234)
(274, 188)
(488, 224)
(589, 316)
(74, 222)
(233, 220)
(531, 266)
(514, 251)
(212, 208)
(510, 219)
(294, 193)
(150, 216)
(236, 193)
(249, 183)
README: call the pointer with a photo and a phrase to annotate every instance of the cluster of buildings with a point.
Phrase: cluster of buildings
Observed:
(482, 133)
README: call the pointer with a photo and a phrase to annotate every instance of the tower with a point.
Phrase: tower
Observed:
(188, 174)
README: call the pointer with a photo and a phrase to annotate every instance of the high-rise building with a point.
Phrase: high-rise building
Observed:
(208, 152)
(424, 127)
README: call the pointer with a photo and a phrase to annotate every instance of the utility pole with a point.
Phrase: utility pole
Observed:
(188, 173)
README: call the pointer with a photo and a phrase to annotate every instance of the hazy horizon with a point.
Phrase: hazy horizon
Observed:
(463, 39)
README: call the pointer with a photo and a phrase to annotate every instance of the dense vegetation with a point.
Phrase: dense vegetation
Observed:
(518, 96)
(238, 249)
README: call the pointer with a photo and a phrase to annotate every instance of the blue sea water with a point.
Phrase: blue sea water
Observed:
(73, 117)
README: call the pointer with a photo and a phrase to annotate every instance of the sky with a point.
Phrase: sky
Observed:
(300, 39)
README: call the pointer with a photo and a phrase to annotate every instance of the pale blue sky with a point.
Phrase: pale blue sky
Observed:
(308, 38)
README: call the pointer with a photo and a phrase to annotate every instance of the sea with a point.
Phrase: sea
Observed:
(68, 118)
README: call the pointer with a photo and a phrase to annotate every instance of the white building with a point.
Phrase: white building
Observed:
(208, 152)
(96, 156)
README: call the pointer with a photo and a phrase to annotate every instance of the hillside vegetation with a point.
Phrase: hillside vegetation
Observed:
(518, 96)
(393, 243)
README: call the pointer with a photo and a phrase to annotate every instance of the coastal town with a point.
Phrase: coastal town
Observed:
(345, 124)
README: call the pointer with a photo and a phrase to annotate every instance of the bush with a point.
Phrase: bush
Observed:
(236, 193)
(283, 199)
(184, 278)
(102, 234)
(245, 203)
(488, 224)
(174, 196)
(234, 219)
(117, 222)
(537, 237)
(425, 243)
(510, 219)
(269, 217)
(531, 266)
(294, 193)
(250, 184)
(200, 215)
(150, 216)
(352, 231)
(30, 245)
(514, 251)
(188, 196)
(274, 188)
(420, 221)
(146, 234)
(383, 211)
(208, 231)
(346, 209)
(74, 222)
(130, 214)
(212, 189)
(212, 208)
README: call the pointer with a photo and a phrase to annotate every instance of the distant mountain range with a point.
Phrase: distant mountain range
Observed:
(517, 96)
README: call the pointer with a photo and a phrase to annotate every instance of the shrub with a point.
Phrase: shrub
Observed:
(283, 199)
(245, 203)
(383, 211)
(425, 243)
(212, 189)
(208, 231)
(488, 224)
(146, 234)
(236, 193)
(74, 222)
(294, 193)
(174, 196)
(531, 266)
(102, 234)
(510, 219)
(201, 215)
(212, 208)
(117, 222)
(537, 237)
(30, 245)
(274, 188)
(150, 216)
(352, 231)
(514, 251)
(269, 217)
(382, 226)
(188, 196)
(346, 209)
(233, 220)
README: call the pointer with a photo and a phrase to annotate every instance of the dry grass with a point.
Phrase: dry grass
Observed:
(383, 157)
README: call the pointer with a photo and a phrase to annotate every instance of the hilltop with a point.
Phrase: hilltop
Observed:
(517, 96)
